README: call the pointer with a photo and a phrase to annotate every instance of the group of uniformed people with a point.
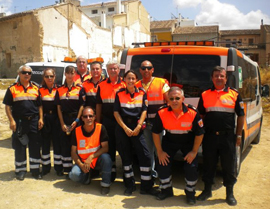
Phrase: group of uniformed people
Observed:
(89, 118)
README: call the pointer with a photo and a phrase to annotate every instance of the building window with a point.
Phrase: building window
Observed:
(111, 9)
(8, 59)
(94, 11)
(154, 38)
(250, 41)
(240, 40)
(229, 42)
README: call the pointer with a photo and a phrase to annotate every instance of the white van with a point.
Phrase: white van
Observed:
(189, 65)
(59, 68)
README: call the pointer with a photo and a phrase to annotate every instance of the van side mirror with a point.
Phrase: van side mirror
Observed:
(265, 91)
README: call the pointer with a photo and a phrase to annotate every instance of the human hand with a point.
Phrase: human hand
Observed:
(190, 157)
(12, 125)
(137, 130)
(128, 131)
(163, 158)
(40, 124)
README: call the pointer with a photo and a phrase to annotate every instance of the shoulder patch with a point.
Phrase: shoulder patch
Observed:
(12, 85)
(142, 89)
(162, 107)
(80, 85)
(122, 89)
(36, 84)
(233, 89)
(192, 107)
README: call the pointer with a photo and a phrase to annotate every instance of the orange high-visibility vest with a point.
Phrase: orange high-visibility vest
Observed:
(126, 101)
(219, 101)
(64, 93)
(87, 146)
(154, 95)
(90, 88)
(78, 80)
(19, 94)
(174, 125)
(46, 95)
(108, 91)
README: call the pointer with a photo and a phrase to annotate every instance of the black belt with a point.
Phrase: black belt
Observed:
(219, 132)
(130, 120)
(51, 112)
(70, 114)
(28, 117)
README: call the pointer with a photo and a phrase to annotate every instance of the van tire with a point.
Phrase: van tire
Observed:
(238, 159)
(257, 139)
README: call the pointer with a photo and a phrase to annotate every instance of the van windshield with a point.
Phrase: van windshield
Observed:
(190, 72)
(37, 74)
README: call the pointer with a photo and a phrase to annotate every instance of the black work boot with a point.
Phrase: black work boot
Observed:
(206, 193)
(230, 200)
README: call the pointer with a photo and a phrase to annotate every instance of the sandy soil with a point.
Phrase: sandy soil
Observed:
(251, 190)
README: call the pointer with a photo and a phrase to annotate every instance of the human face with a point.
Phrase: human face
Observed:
(88, 117)
(175, 100)
(70, 76)
(146, 70)
(81, 65)
(219, 79)
(96, 71)
(113, 71)
(130, 80)
(25, 75)
(49, 77)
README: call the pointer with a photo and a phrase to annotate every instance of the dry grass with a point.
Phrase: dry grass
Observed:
(265, 76)
(5, 83)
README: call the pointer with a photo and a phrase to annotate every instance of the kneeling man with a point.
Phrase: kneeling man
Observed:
(184, 131)
(89, 151)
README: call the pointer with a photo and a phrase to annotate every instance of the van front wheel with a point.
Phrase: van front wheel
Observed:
(238, 159)
(256, 140)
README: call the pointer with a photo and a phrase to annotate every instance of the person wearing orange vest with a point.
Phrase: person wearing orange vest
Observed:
(130, 110)
(89, 151)
(91, 85)
(82, 73)
(183, 131)
(70, 100)
(50, 131)
(104, 108)
(218, 107)
(157, 93)
(24, 111)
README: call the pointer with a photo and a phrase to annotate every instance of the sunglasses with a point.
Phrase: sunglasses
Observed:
(175, 98)
(49, 76)
(26, 72)
(88, 116)
(147, 67)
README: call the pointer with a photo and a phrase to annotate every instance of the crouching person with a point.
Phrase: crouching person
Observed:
(184, 131)
(89, 151)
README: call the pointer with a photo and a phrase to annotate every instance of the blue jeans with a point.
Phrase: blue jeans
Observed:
(104, 165)
(147, 132)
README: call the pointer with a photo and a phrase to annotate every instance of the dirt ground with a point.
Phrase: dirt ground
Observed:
(251, 190)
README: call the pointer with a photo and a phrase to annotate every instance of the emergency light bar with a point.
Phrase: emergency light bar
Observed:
(174, 43)
(89, 61)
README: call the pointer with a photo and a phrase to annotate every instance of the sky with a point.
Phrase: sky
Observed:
(228, 14)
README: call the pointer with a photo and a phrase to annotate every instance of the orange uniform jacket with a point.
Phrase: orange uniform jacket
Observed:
(219, 108)
(87, 146)
(154, 95)
(178, 129)
(79, 80)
